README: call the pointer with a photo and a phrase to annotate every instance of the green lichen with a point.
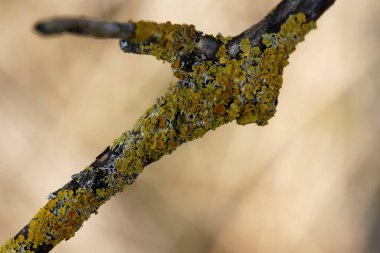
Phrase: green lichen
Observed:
(211, 94)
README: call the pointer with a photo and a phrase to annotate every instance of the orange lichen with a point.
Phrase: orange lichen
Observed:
(219, 109)
(161, 121)
(160, 144)
(72, 214)
(176, 64)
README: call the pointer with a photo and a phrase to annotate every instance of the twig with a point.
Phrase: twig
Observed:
(220, 80)
(129, 32)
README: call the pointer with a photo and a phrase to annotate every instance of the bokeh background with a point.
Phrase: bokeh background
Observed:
(307, 182)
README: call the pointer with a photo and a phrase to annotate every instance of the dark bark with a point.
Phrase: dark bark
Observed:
(313, 9)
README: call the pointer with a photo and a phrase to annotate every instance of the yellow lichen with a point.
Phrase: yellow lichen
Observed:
(212, 93)
(245, 89)
(58, 220)
(245, 46)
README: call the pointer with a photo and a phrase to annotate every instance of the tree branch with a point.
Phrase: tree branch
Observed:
(219, 80)
(312, 9)
(134, 36)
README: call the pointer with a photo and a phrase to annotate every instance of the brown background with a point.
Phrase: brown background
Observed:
(307, 182)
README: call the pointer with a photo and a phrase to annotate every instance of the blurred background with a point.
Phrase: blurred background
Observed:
(308, 182)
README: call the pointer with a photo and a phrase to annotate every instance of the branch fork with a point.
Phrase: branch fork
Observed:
(220, 80)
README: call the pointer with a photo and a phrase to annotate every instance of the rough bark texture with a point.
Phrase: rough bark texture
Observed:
(220, 79)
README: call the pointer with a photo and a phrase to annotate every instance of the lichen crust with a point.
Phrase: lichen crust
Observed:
(208, 94)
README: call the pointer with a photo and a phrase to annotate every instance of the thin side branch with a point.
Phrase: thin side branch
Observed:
(220, 80)
(134, 36)
(86, 27)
